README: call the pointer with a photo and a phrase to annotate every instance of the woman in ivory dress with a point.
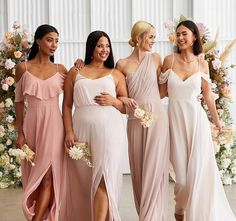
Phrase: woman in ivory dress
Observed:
(93, 193)
(40, 82)
(199, 193)
(148, 147)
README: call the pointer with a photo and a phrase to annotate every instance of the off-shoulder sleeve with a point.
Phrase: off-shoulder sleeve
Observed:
(206, 77)
(19, 91)
(164, 77)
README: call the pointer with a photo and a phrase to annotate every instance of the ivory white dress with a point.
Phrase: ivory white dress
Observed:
(103, 128)
(199, 193)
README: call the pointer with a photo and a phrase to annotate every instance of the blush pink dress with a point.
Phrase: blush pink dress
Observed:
(148, 147)
(103, 128)
(44, 133)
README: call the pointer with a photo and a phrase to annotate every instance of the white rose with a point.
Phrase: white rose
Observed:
(18, 174)
(225, 163)
(139, 113)
(5, 87)
(2, 147)
(3, 185)
(75, 153)
(12, 166)
(9, 142)
(233, 170)
(8, 102)
(9, 119)
(11, 127)
(227, 180)
(227, 146)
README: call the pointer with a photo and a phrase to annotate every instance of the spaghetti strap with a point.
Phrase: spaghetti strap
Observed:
(25, 66)
(173, 59)
(112, 70)
(57, 67)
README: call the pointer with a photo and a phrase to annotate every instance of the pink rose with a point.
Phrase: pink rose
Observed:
(16, 25)
(168, 24)
(9, 64)
(17, 54)
(10, 81)
(5, 87)
(216, 64)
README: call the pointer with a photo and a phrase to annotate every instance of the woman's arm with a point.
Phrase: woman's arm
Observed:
(163, 86)
(105, 99)
(209, 97)
(67, 107)
(20, 69)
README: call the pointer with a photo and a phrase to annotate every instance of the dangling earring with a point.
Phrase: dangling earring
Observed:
(92, 57)
(192, 43)
(39, 47)
(137, 44)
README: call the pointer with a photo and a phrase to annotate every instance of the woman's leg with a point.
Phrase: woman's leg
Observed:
(45, 195)
(101, 203)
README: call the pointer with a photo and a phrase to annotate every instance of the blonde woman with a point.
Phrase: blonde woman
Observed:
(148, 147)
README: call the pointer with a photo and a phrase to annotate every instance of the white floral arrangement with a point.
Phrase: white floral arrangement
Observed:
(23, 153)
(80, 151)
(146, 118)
(14, 48)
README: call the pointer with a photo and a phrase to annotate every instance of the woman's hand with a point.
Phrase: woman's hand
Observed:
(70, 139)
(105, 99)
(20, 141)
(79, 64)
(218, 125)
(130, 103)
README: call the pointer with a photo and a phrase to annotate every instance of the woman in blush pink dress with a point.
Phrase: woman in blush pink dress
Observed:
(40, 126)
(148, 147)
(92, 194)
(199, 193)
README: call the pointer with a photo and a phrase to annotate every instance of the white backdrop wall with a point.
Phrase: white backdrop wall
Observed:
(75, 19)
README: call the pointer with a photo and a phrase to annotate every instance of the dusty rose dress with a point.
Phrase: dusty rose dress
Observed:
(44, 133)
(148, 147)
(104, 130)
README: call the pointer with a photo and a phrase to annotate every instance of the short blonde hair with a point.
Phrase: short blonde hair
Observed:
(139, 28)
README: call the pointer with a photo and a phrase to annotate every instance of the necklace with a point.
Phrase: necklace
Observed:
(188, 61)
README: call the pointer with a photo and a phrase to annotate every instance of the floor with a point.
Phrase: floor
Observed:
(10, 200)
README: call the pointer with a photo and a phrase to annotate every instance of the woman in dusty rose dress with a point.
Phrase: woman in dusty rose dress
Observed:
(40, 126)
(148, 147)
(199, 193)
(92, 194)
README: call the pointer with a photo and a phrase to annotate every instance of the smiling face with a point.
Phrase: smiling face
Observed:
(147, 40)
(48, 43)
(102, 49)
(185, 38)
